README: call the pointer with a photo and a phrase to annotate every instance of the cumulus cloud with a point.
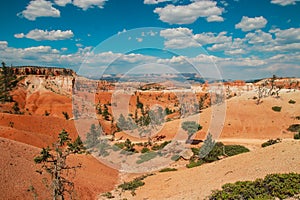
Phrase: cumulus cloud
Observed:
(284, 2)
(39, 8)
(187, 14)
(39, 35)
(249, 24)
(179, 38)
(291, 35)
(62, 2)
(3, 44)
(258, 37)
(86, 4)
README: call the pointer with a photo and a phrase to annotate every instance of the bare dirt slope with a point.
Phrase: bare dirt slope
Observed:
(18, 173)
(197, 183)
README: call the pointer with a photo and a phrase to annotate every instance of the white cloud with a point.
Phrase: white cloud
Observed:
(64, 49)
(39, 8)
(258, 37)
(180, 38)
(284, 2)
(19, 35)
(62, 2)
(187, 14)
(39, 35)
(155, 1)
(249, 24)
(3, 44)
(215, 18)
(86, 4)
(291, 35)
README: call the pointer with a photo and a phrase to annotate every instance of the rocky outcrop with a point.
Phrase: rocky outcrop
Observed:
(46, 71)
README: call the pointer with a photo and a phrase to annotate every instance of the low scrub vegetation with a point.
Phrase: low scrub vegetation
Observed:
(270, 142)
(211, 151)
(273, 186)
(294, 128)
(276, 108)
(291, 101)
(134, 184)
(168, 170)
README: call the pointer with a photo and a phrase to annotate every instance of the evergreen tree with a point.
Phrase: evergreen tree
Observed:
(7, 82)
(191, 127)
(54, 162)
(92, 137)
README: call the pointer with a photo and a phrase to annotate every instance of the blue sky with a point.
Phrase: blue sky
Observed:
(241, 39)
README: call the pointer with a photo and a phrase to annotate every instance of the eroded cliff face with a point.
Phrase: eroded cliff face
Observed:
(46, 71)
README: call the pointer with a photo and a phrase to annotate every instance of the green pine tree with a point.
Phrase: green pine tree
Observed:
(7, 82)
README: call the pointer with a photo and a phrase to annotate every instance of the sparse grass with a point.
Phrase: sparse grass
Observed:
(273, 186)
(168, 170)
(276, 108)
(270, 142)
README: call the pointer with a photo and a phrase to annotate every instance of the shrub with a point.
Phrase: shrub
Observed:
(297, 136)
(291, 101)
(195, 163)
(108, 195)
(276, 108)
(146, 157)
(294, 128)
(175, 157)
(145, 150)
(270, 142)
(46, 113)
(272, 186)
(297, 117)
(168, 170)
(157, 147)
(133, 185)
(232, 150)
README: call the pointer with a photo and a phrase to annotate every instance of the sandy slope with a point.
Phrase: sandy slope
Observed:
(197, 183)
(18, 173)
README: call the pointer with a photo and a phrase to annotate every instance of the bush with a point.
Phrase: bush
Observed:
(133, 185)
(175, 157)
(270, 142)
(274, 185)
(108, 195)
(294, 128)
(168, 170)
(157, 147)
(145, 150)
(297, 117)
(232, 150)
(291, 101)
(276, 108)
(146, 157)
(297, 136)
